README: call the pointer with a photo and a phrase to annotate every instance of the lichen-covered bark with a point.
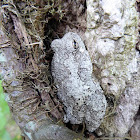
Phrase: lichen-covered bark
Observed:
(26, 76)
(112, 34)
(135, 130)
(111, 37)
(33, 121)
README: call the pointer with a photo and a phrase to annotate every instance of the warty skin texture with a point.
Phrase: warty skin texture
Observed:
(72, 71)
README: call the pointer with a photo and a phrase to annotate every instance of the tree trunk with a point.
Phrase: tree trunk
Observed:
(110, 32)
(112, 37)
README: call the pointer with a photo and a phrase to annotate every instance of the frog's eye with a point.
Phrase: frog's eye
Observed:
(75, 45)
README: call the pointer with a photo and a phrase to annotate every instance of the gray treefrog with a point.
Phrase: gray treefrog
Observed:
(82, 97)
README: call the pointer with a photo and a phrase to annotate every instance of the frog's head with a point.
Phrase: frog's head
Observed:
(56, 45)
(73, 42)
(70, 42)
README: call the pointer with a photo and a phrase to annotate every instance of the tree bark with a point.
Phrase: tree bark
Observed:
(110, 32)
(112, 37)
(26, 84)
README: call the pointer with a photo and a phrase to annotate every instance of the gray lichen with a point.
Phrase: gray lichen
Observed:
(112, 35)
(111, 39)
(72, 71)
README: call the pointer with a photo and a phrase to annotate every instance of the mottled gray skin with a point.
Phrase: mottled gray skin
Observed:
(72, 71)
